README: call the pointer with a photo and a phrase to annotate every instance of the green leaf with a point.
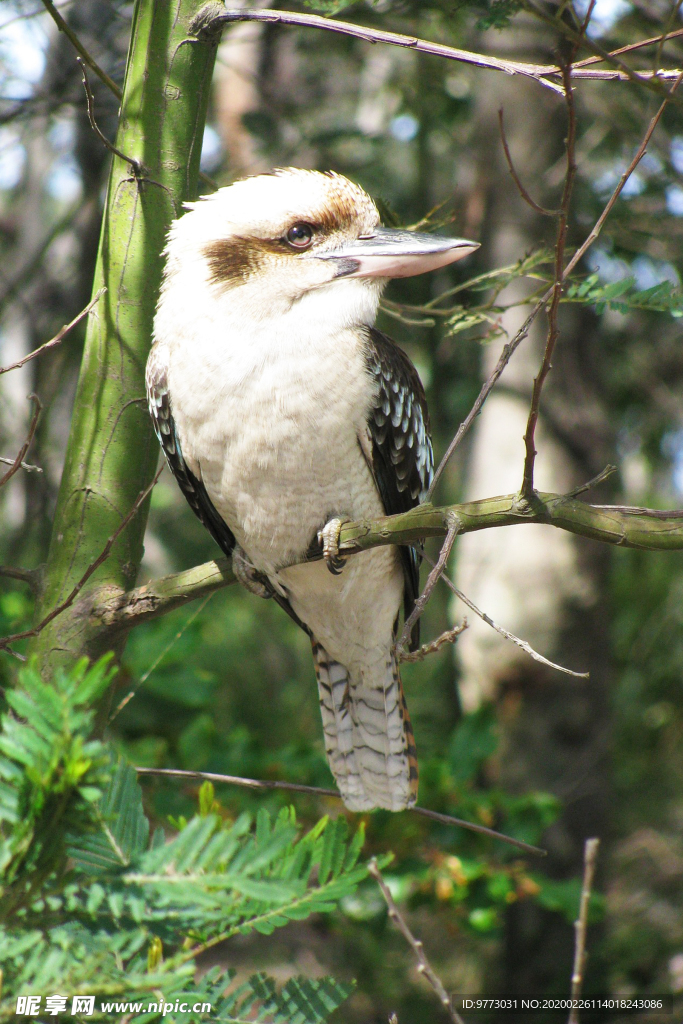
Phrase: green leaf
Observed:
(124, 829)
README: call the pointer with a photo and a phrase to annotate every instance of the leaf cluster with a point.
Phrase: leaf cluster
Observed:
(88, 905)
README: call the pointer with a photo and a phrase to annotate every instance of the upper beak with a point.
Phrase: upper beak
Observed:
(389, 252)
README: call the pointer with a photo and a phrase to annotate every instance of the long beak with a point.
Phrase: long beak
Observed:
(389, 252)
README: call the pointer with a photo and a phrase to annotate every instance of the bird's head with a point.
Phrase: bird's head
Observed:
(275, 240)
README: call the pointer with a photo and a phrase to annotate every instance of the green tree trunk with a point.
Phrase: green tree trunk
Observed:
(112, 452)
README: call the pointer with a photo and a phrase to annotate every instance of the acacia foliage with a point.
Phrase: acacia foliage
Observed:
(89, 905)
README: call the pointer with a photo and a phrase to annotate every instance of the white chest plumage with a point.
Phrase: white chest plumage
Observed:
(268, 417)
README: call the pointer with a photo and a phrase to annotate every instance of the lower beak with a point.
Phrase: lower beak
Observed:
(389, 252)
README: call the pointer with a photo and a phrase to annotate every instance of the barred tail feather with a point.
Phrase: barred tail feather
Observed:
(368, 736)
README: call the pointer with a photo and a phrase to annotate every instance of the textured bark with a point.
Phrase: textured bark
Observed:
(112, 453)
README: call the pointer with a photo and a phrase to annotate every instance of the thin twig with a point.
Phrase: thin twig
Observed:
(78, 45)
(581, 925)
(157, 661)
(508, 350)
(24, 465)
(102, 557)
(672, 17)
(17, 463)
(515, 177)
(580, 252)
(510, 347)
(536, 72)
(606, 472)
(59, 336)
(527, 487)
(135, 164)
(237, 780)
(450, 636)
(24, 575)
(432, 580)
(621, 70)
(506, 633)
(541, 73)
(423, 965)
(577, 65)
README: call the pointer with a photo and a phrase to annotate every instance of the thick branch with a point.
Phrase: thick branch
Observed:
(611, 524)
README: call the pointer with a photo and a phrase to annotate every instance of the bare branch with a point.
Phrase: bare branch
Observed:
(510, 347)
(135, 164)
(237, 780)
(581, 925)
(577, 65)
(450, 636)
(28, 576)
(515, 177)
(17, 463)
(537, 72)
(580, 252)
(432, 580)
(621, 70)
(603, 475)
(102, 557)
(541, 73)
(423, 965)
(553, 329)
(78, 45)
(57, 338)
(623, 526)
(23, 465)
(526, 647)
(508, 350)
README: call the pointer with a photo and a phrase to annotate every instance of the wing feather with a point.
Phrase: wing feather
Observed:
(402, 456)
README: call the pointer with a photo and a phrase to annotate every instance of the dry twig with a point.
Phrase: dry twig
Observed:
(423, 965)
(450, 636)
(526, 647)
(135, 164)
(78, 45)
(527, 487)
(432, 580)
(541, 73)
(515, 177)
(237, 780)
(17, 463)
(6, 641)
(510, 347)
(59, 336)
(581, 924)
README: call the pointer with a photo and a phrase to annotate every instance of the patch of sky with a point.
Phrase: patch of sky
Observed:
(672, 448)
(606, 14)
(404, 127)
(23, 44)
(677, 153)
(606, 182)
(647, 272)
(212, 150)
(12, 157)
(63, 181)
(674, 200)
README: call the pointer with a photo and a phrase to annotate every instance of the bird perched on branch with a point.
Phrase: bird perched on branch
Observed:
(283, 412)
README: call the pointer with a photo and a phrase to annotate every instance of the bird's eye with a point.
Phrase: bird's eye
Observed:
(300, 236)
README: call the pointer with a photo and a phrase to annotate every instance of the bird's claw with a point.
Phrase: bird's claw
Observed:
(250, 578)
(328, 538)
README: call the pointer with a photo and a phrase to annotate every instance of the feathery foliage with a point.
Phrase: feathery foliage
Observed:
(88, 905)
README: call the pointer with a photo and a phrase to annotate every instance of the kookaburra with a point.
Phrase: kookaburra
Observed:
(283, 412)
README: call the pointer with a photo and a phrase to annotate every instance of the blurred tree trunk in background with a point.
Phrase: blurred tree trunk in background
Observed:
(545, 586)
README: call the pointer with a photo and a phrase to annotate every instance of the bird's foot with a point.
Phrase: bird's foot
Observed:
(328, 538)
(250, 578)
